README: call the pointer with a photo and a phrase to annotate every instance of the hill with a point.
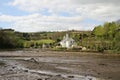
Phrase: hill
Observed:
(103, 37)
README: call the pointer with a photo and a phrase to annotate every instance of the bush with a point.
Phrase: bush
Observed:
(59, 49)
(100, 49)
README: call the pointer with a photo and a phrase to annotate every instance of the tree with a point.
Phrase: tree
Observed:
(27, 36)
(9, 40)
(98, 31)
(111, 30)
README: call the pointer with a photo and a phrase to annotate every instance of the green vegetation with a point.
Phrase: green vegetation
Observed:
(8, 39)
(103, 38)
(38, 43)
(108, 36)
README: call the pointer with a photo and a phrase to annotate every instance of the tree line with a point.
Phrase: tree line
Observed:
(102, 37)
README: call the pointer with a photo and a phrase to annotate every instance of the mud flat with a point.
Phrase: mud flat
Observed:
(49, 65)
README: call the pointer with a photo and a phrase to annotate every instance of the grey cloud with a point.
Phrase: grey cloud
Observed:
(96, 1)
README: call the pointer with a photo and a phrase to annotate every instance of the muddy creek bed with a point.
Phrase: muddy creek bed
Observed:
(49, 65)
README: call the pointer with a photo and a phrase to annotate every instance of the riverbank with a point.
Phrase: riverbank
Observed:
(43, 52)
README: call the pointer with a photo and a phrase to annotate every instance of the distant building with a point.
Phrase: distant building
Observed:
(67, 42)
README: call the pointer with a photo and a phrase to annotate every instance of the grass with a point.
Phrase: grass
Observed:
(47, 41)
(31, 43)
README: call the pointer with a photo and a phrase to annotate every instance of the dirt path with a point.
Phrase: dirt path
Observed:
(47, 65)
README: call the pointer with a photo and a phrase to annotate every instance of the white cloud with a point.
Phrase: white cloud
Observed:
(40, 5)
(91, 8)
(99, 10)
(37, 22)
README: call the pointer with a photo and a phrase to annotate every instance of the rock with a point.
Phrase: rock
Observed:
(84, 48)
(89, 78)
(109, 77)
(10, 70)
(102, 64)
(98, 73)
(34, 60)
(15, 64)
(13, 67)
(70, 76)
(39, 79)
(25, 70)
(58, 75)
(46, 78)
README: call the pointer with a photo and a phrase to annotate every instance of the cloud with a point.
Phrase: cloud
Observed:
(49, 15)
(100, 11)
(37, 22)
(96, 1)
(40, 5)
(90, 8)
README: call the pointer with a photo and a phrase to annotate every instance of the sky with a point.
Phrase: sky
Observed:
(57, 15)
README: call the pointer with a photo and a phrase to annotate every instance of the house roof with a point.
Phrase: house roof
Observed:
(66, 38)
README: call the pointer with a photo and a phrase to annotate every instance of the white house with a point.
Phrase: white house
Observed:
(67, 42)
